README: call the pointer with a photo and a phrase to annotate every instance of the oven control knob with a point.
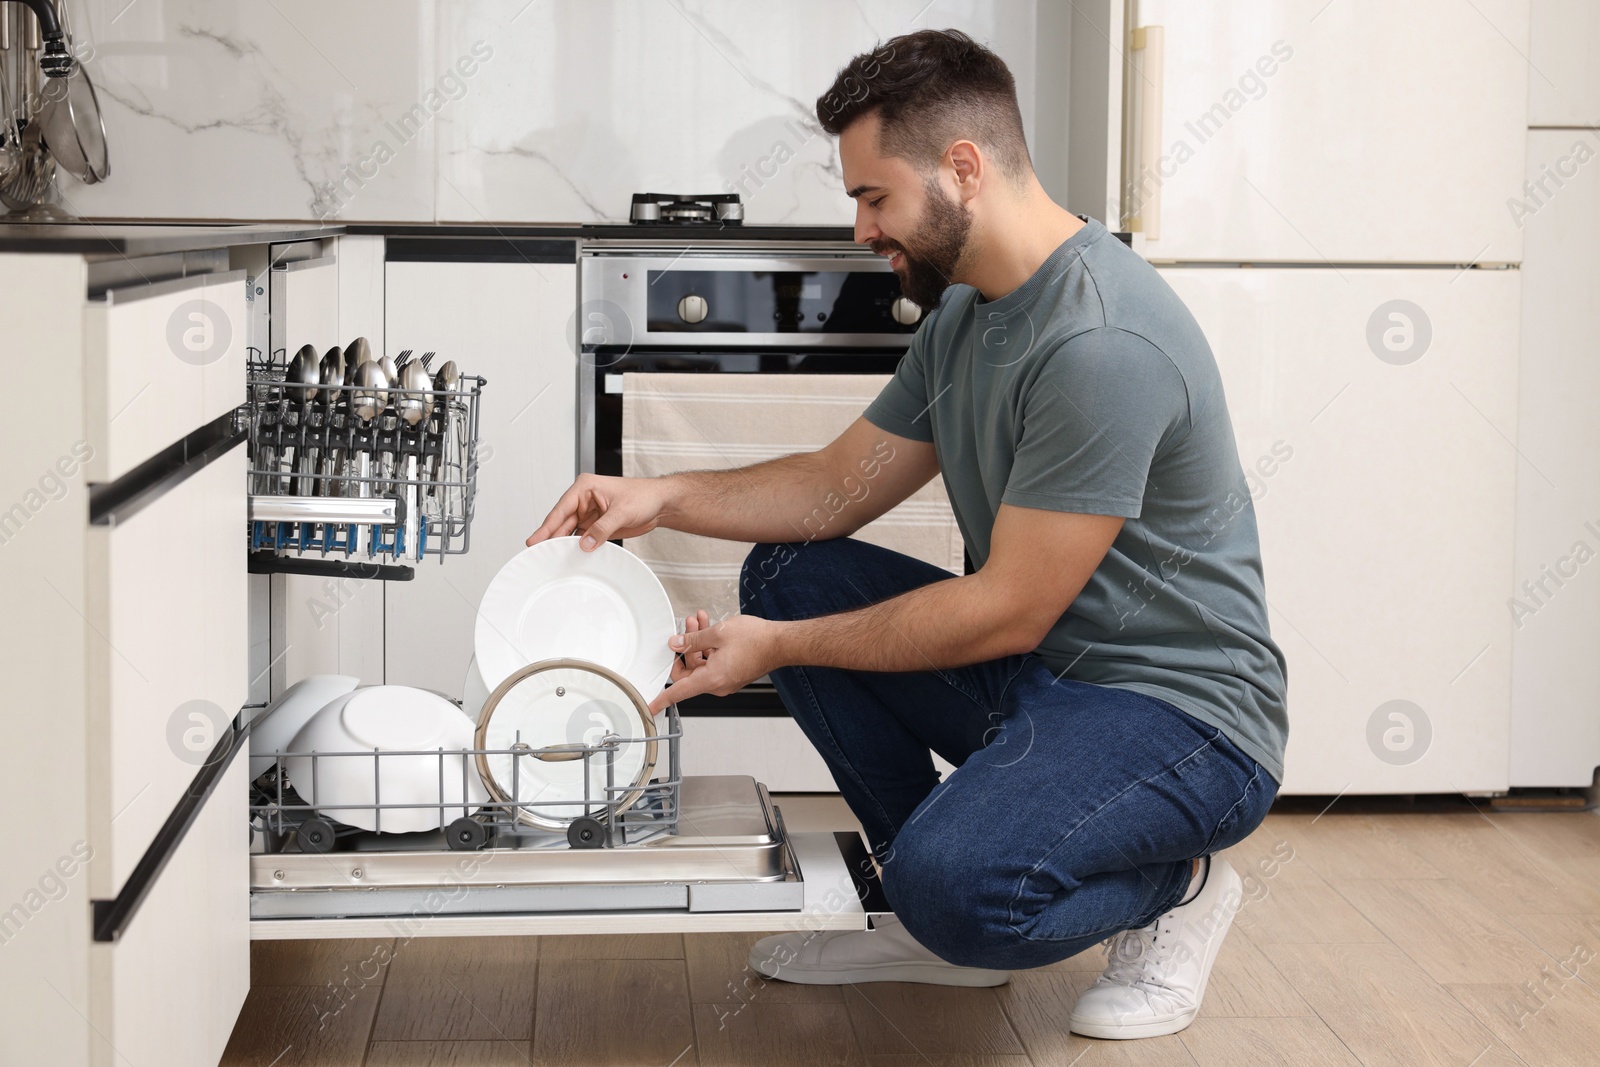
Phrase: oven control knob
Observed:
(904, 311)
(692, 309)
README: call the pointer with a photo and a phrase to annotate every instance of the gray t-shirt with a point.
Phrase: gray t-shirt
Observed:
(1090, 388)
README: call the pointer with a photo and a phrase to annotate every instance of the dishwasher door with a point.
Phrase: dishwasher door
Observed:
(833, 899)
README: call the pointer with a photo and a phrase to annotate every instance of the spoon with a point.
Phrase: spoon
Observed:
(304, 375)
(358, 351)
(446, 381)
(415, 404)
(372, 391)
(390, 370)
(303, 379)
(331, 374)
(448, 377)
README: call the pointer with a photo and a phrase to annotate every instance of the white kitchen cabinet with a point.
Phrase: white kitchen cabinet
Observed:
(44, 915)
(131, 564)
(1360, 130)
(1384, 497)
(1564, 63)
(167, 668)
(164, 595)
(1555, 587)
(169, 989)
(510, 323)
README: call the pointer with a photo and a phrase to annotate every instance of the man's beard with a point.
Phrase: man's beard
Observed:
(930, 261)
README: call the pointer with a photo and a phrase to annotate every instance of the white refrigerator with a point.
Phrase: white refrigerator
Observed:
(1325, 186)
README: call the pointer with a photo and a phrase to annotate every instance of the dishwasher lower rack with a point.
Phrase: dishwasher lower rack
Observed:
(342, 793)
(726, 851)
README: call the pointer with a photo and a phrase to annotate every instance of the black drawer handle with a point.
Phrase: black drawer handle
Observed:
(122, 498)
(110, 918)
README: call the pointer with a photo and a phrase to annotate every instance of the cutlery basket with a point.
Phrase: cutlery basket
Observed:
(336, 493)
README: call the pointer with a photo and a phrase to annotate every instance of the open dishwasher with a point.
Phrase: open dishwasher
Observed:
(465, 834)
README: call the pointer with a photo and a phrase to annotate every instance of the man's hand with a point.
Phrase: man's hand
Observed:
(720, 659)
(601, 508)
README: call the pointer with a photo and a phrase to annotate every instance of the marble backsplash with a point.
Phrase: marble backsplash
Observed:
(513, 111)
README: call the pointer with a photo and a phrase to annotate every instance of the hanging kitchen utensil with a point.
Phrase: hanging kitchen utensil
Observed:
(10, 139)
(30, 182)
(74, 129)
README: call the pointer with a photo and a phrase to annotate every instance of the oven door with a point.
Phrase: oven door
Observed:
(657, 411)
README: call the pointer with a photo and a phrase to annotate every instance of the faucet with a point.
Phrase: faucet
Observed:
(55, 60)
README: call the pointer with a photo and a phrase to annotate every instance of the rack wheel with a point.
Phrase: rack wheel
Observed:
(466, 834)
(315, 835)
(586, 832)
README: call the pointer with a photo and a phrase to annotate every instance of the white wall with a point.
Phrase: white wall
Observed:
(293, 109)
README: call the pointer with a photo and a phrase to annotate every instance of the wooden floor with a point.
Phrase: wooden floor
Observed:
(1458, 939)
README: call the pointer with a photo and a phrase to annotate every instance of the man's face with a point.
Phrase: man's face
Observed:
(903, 213)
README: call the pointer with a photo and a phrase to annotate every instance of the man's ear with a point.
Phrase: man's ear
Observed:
(968, 167)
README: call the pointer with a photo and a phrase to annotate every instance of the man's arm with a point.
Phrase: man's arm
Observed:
(1038, 563)
(808, 496)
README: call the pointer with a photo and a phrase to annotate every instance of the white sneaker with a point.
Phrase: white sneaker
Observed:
(1157, 975)
(887, 953)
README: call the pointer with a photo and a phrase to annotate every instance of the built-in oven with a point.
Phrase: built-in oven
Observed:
(697, 357)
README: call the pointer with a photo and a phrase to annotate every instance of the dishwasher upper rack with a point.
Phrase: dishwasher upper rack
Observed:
(609, 814)
(328, 485)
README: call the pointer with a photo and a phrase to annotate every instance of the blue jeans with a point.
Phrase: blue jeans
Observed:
(1074, 810)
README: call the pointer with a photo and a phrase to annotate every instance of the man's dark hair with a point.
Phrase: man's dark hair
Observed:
(930, 89)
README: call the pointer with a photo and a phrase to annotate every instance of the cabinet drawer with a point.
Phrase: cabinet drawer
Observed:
(162, 360)
(168, 647)
(170, 988)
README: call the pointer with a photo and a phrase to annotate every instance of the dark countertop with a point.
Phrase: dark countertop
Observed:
(157, 237)
(96, 239)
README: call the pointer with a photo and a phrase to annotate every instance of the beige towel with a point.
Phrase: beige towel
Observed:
(675, 422)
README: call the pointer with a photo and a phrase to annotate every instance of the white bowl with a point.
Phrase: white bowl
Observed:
(277, 724)
(387, 718)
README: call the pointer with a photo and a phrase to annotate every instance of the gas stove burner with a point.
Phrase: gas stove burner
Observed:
(671, 209)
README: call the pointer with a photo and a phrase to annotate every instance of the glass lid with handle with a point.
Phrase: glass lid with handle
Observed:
(565, 738)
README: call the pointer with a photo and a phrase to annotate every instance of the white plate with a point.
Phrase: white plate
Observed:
(556, 601)
(559, 705)
(276, 726)
(388, 718)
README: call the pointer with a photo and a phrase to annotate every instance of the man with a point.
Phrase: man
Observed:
(1105, 683)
